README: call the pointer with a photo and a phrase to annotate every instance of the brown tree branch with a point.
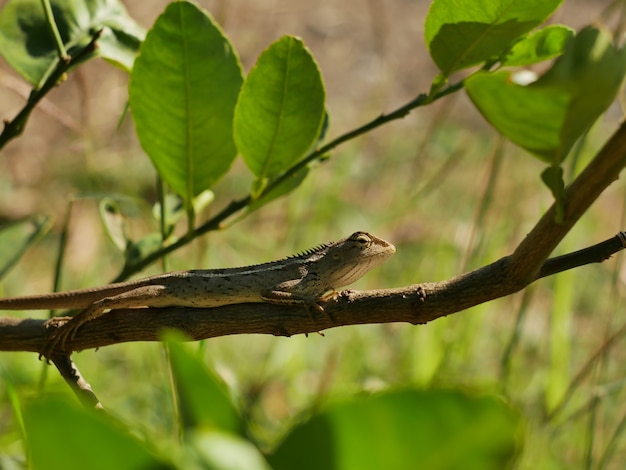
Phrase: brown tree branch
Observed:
(526, 261)
(75, 380)
(593, 254)
(416, 304)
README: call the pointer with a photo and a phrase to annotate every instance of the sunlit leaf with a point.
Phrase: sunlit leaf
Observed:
(183, 91)
(27, 44)
(408, 429)
(541, 45)
(142, 248)
(281, 189)
(462, 33)
(204, 399)
(281, 108)
(548, 116)
(90, 440)
(530, 116)
(114, 223)
(221, 451)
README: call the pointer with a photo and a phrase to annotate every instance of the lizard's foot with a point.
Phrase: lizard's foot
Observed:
(59, 334)
(309, 306)
(322, 310)
(52, 328)
(328, 296)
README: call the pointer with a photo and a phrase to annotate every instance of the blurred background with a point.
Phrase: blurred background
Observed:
(440, 184)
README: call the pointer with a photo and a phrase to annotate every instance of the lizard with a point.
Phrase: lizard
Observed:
(303, 279)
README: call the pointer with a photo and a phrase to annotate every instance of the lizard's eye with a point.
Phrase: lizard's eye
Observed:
(361, 239)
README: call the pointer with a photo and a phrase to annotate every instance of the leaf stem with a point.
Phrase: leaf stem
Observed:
(47, 8)
(15, 127)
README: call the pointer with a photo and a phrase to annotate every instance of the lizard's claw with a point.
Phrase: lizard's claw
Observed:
(320, 309)
(59, 335)
(309, 306)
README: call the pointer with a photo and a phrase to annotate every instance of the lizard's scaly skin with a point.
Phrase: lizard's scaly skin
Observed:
(302, 279)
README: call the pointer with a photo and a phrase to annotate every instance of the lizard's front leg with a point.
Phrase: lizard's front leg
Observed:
(140, 297)
(282, 296)
(68, 330)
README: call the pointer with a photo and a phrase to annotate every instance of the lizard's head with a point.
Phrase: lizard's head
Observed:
(349, 259)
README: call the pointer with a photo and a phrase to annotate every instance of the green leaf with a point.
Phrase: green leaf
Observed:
(548, 116)
(90, 439)
(463, 33)
(114, 223)
(203, 200)
(293, 180)
(280, 190)
(27, 44)
(204, 398)
(541, 45)
(438, 429)
(17, 237)
(280, 111)
(530, 116)
(183, 91)
(592, 70)
(141, 249)
(175, 208)
(220, 451)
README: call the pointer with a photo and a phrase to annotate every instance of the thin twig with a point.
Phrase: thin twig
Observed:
(75, 380)
(16, 126)
(58, 42)
(593, 254)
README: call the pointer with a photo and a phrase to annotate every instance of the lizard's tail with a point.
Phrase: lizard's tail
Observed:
(81, 298)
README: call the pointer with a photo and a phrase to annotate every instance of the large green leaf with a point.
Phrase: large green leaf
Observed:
(216, 450)
(409, 429)
(281, 108)
(89, 439)
(531, 116)
(462, 33)
(204, 398)
(289, 182)
(28, 46)
(548, 116)
(183, 91)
